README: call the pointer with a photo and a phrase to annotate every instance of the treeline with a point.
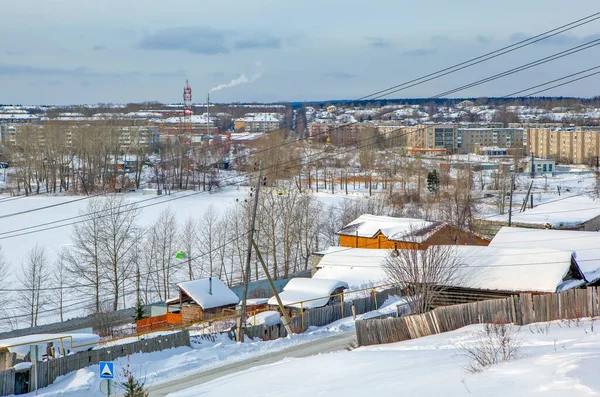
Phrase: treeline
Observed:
(99, 157)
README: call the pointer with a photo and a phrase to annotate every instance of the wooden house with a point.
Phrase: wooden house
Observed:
(203, 299)
(384, 232)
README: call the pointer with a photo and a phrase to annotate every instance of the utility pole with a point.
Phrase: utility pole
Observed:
(286, 319)
(242, 320)
(512, 187)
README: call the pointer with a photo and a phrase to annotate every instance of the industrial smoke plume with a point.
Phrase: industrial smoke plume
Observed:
(242, 79)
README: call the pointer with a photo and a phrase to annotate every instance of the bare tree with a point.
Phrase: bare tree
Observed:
(58, 280)
(189, 243)
(165, 239)
(34, 280)
(424, 274)
(83, 258)
(118, 235)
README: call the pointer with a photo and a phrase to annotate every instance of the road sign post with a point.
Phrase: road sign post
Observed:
(107, 386)
(107, 372)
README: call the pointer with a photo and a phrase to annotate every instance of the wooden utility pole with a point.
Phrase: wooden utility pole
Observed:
(512, 187)
(286, 319)
(242, 319)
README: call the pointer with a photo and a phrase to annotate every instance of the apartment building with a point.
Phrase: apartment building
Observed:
(259, 122)
(468, 138)
(140, 136)
(435, 136)
(577, 145)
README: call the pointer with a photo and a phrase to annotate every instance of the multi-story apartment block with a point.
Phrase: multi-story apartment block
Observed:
(141, 136)
(467, 138)
(577, 145)
(259, 122)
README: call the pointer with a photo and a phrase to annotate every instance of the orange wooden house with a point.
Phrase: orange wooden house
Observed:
(384, 232)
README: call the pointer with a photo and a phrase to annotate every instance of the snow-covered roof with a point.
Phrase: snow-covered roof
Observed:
(488, 268)
(21, 344)
(359, 267)
(397, 229)
(585, 244)
(199, 291)
(561, 213)
(513, 269)
(307, 289)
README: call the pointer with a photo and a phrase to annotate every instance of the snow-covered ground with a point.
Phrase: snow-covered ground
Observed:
(556, 359)
(166, 365)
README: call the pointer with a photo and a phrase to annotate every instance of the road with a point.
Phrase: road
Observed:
(325, 345)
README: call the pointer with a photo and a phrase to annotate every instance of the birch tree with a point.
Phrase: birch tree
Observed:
(34, 280)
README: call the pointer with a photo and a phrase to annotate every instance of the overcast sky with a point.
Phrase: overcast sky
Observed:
(69, 52)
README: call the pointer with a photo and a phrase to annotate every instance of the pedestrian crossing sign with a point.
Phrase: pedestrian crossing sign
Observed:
(107, 370)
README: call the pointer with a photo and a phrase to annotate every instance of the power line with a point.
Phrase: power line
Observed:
(485, 57)
(526, 66)
(463, 65)
(550, 82)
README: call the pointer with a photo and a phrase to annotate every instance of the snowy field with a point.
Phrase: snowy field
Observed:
(557, 359)
(187, 204)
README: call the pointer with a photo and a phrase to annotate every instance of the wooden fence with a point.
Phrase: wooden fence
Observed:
(521, 310)
(48, 371)
(321, 316)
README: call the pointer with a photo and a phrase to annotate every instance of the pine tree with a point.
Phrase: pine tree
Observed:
(140, 311)
(433, 181)
(131, 386)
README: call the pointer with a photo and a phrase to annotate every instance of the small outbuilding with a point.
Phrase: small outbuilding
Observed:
(204, 299)
(309, 293)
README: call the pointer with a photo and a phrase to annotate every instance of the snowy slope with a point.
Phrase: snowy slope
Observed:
(561, 360)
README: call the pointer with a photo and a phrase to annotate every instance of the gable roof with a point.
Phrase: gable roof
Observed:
(586, 245)
(515, 269)
(359, 267)
(199, 290)
(303, 289)
(396, 229)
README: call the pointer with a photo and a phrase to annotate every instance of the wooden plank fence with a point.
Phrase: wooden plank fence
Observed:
(48, 371)
(321, 316)
(521, 310)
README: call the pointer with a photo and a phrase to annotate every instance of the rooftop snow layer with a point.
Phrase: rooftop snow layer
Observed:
(21, 344)
(585, 244)
(359, 267)
(562, 213)
(512, 269)
(306, 289)
(398, 229)
(199, 290)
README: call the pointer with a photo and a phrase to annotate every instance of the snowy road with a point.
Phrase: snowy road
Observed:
(325, 345)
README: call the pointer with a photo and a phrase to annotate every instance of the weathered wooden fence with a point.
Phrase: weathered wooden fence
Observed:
(322, 316)
(522, 310)
(48, 371)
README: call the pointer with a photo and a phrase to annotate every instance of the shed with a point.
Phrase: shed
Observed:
(586, 245)
(310, 293)
(384, 232)
(204, 298)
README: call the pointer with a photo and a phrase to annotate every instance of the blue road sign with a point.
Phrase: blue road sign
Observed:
(107, 370)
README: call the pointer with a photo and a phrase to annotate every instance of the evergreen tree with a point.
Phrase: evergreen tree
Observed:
(433, 181)
(140, 312)
(131, 386)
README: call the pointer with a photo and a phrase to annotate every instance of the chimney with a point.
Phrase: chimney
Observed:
(210, 285)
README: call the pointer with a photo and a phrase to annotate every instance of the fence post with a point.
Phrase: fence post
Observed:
(342, 302)
(375, 297)
(302, 315)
